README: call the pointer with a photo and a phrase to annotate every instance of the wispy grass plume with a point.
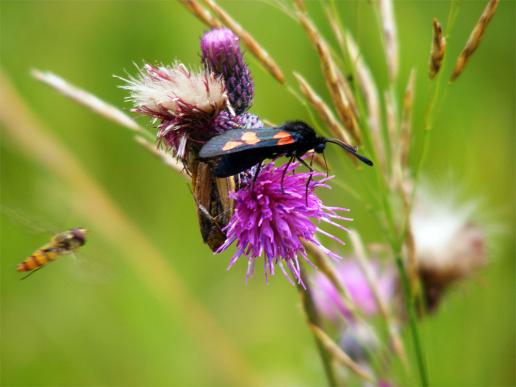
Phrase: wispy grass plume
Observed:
(474, 38)
(438, 48)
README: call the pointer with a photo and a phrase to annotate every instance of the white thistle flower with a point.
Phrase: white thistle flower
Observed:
(169, 91)
(450, 245)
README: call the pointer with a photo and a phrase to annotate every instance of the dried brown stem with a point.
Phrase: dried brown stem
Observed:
(370, 93)
(314, 320)
(254, 47)
(105, 110)
(438, 48)
(474, 38)
(361, 255)
(87, 99)
(392, 125)
(406, 119)
(339, 355)
(201, 13)
(400, 157)
(320, 260)
(322, 109)
(335, 82)
(163, 156)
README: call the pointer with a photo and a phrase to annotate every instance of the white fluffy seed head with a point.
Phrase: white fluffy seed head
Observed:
(446, 236)
(174, 91)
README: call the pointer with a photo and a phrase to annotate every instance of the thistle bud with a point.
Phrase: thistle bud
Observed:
(221, 55)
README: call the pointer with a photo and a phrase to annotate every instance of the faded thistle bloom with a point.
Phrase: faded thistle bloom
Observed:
(450, 245)
(329, 301)
(184, 103)
(221, 55)
(272, 218)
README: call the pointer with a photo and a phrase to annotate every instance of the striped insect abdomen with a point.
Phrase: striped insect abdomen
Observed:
(37, 259)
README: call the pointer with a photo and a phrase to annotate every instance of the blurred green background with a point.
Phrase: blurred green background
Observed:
(99, 321)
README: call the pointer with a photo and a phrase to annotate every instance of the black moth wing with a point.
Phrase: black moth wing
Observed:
(228, 142)
(234, 163)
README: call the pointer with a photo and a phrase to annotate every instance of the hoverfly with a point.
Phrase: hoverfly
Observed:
(240, 149)
(64, 243)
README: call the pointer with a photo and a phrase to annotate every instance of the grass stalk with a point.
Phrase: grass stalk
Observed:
(410, 302)
(313, 319)
(110, 112)
(254, 47)
(385, 312)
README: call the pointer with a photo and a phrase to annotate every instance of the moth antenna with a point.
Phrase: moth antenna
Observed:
(350, 149)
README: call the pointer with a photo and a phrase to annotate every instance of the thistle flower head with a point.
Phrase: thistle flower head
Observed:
(183, 102)
(329, 301)
(272, 218)
(450, 245)
(221, 54)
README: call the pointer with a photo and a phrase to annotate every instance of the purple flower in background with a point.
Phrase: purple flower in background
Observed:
(328, 299)
(272, 219)
(184, 103)
(221, 55)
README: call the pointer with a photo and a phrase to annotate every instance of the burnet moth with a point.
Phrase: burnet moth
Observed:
(238, 150)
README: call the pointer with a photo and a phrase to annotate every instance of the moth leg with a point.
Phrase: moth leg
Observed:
(325, 165)
(258, 168)
(285, 170)
(304, 163)
(309, 178)
(205, 211)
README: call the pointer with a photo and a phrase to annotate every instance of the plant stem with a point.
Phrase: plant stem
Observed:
(410, 302)
(313, 319)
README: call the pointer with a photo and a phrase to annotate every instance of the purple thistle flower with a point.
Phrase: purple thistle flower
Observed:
(221, 54)
(227, 121)
(328, 299)
(272, 219)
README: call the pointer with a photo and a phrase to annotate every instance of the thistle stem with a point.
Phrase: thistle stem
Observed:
(410, 303)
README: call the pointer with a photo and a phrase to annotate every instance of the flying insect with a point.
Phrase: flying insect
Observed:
(64, 243)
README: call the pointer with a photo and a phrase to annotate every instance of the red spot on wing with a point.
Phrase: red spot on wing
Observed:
(284, 138)
(231, 145)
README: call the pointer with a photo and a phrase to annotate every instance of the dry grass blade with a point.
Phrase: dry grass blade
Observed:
(201, 13)
(390, 37)
(258, 51)
(360, 251)
(334, 79)
(336, 27)
(89, 100)
(340, 356)
(474, 38)
(105, 110)
(314, 319)
(392, 125)
(370, 93)
(162, 155)
(338, 31)
(406, 119)
(320, 260)
(96, 207)
(322, 109)
(438, 48)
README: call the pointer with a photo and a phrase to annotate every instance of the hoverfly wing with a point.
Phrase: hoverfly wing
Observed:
(239, 140)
